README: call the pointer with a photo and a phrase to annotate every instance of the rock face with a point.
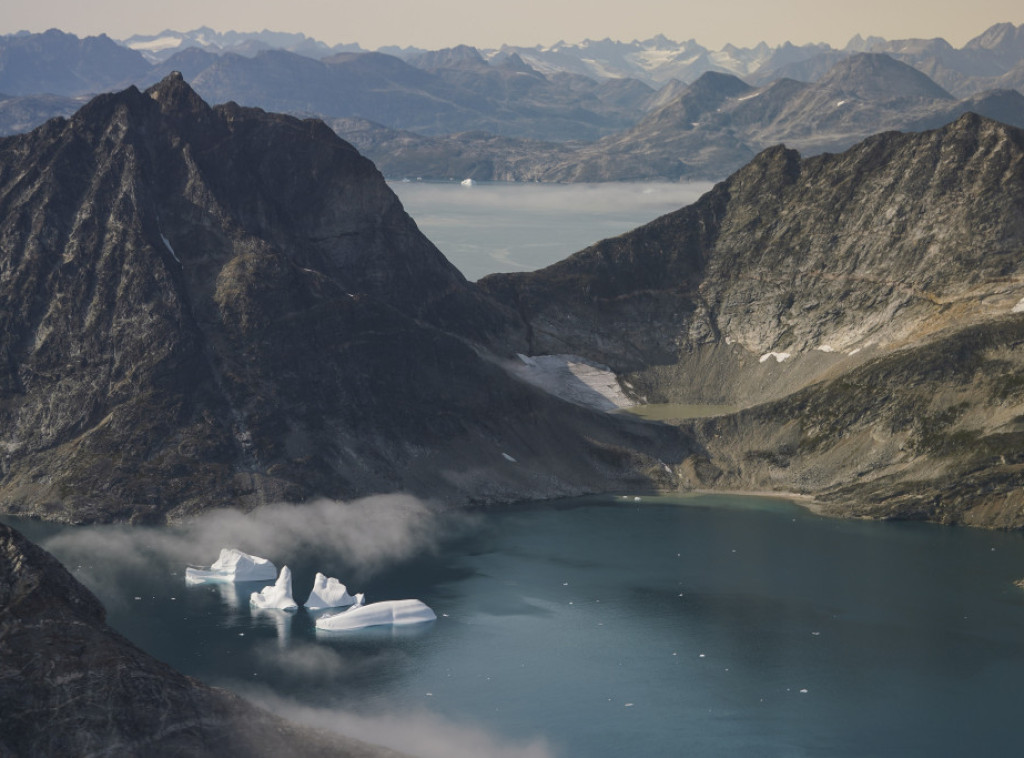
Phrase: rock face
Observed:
(871, 298)
(70, 685)
(218, 306)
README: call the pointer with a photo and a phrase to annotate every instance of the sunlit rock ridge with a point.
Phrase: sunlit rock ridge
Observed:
(205, 306)
(872, 303)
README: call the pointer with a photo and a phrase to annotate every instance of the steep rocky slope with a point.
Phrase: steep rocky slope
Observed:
(218, 306)
(70, 685)
(849, 279)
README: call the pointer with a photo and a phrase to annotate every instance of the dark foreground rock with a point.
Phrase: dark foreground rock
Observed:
(71, 686)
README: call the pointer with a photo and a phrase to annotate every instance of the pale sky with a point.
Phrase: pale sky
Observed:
(435, 24)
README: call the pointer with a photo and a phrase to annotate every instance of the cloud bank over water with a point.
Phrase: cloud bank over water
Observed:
(372, 534)
(418, 733)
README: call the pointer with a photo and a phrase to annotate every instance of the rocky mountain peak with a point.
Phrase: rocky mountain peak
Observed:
(879, 76)
(204, 307)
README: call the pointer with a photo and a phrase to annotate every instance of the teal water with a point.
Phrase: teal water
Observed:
(700, 626)
(500, 227)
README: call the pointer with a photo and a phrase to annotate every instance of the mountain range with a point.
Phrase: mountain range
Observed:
(205, 307)
(587, 112)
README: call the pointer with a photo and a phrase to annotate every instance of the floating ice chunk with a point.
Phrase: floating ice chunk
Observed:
(386, 613)
(779, 357)
(328, 592)
(467, 182)
(233, 566)
(1019, 307)
(278, 595)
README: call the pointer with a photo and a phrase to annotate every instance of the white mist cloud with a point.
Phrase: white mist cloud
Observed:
(371, 533)
(418, 733)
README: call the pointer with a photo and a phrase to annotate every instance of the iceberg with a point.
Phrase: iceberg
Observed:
(233, 566)
(386, 613)
(328, 592)
(278, 595)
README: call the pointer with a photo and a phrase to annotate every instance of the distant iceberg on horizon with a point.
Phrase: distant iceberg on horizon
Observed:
(233, 566)
(385, 613)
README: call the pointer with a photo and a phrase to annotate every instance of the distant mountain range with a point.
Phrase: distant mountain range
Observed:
(593, 111)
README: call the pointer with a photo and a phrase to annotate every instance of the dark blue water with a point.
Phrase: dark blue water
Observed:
(704, 626)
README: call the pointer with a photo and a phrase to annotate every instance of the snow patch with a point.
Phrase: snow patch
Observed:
(509, 458)
(825, 348)
(779, 357)
(1019, 307)
(167, 244)
(574, 379)
(155, 45)
(841, 103)
(854, 351)
(386, 613)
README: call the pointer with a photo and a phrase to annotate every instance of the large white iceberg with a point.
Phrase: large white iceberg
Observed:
(279, 595)
(386, 613)
(233, 566)
(328, 592)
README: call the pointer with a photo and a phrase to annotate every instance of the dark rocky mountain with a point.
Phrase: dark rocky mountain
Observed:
(203, 307)
(55, 63)
(71, 685)
(871, 301)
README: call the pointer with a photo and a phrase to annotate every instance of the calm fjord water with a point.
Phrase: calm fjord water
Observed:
(497, 227)
(696, 626)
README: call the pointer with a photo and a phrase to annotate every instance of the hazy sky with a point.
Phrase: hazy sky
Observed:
(489, 23)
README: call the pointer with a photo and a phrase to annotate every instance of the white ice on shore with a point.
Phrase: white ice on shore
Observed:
(575, 379)
(233, 566)
(385, 613)
(779, 357)
(328, 592)
(278, 595)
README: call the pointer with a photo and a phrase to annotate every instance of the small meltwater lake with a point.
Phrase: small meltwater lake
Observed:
(601, 626)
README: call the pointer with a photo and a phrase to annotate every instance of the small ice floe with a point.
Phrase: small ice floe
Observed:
(779, 357)
(278, 595)
(467, 183)
(803, 691)
(1019, 307)
(508, 458)
(385, 613)
(233, 566)
(328, 592)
